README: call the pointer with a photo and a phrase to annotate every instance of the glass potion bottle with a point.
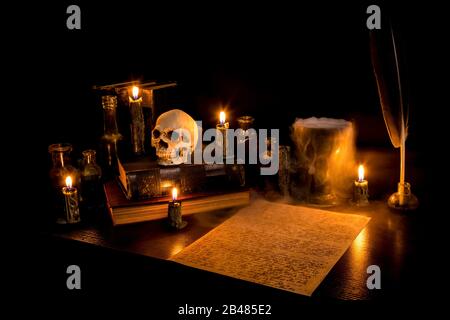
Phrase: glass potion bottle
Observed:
(111, 132)
(61, 169)
(91, 184)
(61, 166)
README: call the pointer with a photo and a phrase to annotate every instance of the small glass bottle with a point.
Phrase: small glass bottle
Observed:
(62, 167)
(91, 183)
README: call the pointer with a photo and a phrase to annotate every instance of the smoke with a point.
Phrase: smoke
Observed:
(323, 164)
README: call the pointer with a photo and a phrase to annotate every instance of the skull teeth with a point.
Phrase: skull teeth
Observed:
(164, 154)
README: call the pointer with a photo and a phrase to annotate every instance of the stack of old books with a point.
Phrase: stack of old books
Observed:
(141, 192)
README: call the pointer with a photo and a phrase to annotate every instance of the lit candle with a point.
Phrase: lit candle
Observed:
(361, 189)
(222, 118)
(137, 121)
(71, 207)
(222, 127)
(174, 212)
(360, 173)
(135, 94)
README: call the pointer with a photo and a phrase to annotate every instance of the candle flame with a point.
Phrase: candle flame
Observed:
(361, 172)
(69, 182)
(222, 117)
(174, 194)
(135, 92)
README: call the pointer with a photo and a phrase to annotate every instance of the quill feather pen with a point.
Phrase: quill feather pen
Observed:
(387, 75)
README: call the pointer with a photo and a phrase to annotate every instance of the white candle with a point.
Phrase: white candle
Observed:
(137, 121)
(222, 127)
(361, 189)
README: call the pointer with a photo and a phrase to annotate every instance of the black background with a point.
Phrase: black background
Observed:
(274, 61)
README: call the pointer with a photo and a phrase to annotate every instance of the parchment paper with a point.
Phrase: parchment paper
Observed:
(287, 247)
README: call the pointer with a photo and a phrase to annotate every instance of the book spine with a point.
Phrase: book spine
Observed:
(158, 182)
(144, 185)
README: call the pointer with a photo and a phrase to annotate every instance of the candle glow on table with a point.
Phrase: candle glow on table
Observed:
(71, 207)
(361, 189)
(174, 211)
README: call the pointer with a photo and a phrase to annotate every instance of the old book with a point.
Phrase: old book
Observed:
(144, 179)
(124, 211)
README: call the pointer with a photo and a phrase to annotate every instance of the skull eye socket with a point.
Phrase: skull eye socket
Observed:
(173, 135)
(156, 134)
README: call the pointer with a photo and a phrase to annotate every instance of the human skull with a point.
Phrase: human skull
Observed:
(174, 136)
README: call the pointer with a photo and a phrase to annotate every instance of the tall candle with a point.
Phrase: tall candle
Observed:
(137, 121)
(222, 127)
(174, 211)
(361, 189)
(71, 207)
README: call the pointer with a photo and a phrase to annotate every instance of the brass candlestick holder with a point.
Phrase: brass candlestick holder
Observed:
(403, 199)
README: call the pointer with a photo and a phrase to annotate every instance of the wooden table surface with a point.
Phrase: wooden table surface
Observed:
(136, 255)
